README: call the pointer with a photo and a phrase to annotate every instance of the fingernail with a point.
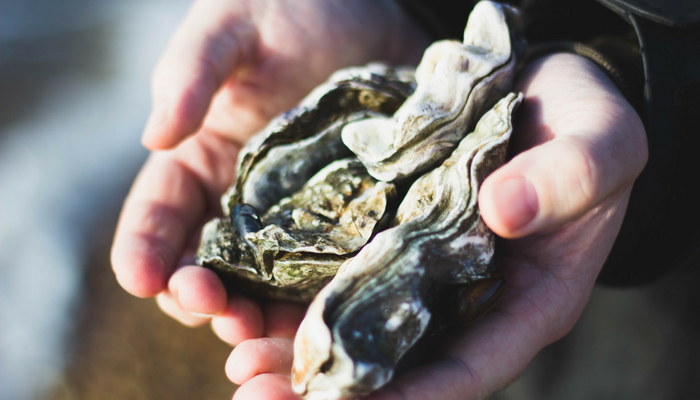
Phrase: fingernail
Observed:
(158, 115)
(203, 315)
(515, 201)
(186, 306)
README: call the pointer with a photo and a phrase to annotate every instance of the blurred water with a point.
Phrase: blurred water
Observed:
(73, 98)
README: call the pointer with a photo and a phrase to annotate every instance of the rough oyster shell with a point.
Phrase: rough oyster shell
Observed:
(278, 161)
(457, 83)
(301, 242)
(371, 313)
(288, 257)
(434, 265)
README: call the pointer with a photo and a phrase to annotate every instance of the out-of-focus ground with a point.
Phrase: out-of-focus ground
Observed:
(74, 95)
(628, 344)
(125, 348)
(73, 99)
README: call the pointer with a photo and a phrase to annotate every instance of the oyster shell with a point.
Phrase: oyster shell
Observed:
(292, 148)
(438, 257)
(305, 232)
(457, 83)
(295, 216)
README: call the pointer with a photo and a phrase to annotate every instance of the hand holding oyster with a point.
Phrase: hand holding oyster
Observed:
(375, 175)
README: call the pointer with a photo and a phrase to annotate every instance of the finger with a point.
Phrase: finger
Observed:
(198, 290)
(591, 150)
(162, 209)
(548, 186)
(213, 40)
(282, 319)
(168, 303)
(260, 356)
(166, 204)
(268, 387)
(242, 320)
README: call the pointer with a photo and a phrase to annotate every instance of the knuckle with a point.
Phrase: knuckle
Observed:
(581, 187)
(637, 142)
(159, 221)
(209, 72)
(625, 145)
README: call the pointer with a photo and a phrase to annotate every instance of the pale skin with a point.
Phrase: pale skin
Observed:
(557, 204)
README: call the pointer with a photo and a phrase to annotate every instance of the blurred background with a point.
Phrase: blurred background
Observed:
(74, 95)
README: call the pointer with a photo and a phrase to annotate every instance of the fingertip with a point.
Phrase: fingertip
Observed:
(142, 271)
(508, 204)
(156, 125)
(169, 305)
(236, 369)
(153, 141)
(199, 290)
(242, 320)
(259, 356)
(141, 287)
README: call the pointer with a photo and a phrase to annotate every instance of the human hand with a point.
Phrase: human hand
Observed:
(230, 67)
(558, 203)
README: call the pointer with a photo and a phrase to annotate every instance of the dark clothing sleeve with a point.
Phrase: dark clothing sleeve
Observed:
(661, 229)
(584, 27)
(543, 20)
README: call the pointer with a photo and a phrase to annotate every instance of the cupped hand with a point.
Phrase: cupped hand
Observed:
(230, 67)
(558, 204)
(234, 64)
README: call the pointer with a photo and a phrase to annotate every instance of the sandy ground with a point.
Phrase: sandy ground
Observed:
(125, 348)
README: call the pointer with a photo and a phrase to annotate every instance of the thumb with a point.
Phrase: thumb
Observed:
(554, 183)
(584, 143)
(213, 40)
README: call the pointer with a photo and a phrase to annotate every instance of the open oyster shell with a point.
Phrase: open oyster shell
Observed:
(304, 233)
(278, 161)
(438, 257)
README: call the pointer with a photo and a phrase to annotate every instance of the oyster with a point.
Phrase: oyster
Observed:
(334, 188)
(457, 83)
(293, 147)
(438, 257)
(303, 217)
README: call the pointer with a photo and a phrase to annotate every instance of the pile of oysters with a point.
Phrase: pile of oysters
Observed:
(363, 201)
